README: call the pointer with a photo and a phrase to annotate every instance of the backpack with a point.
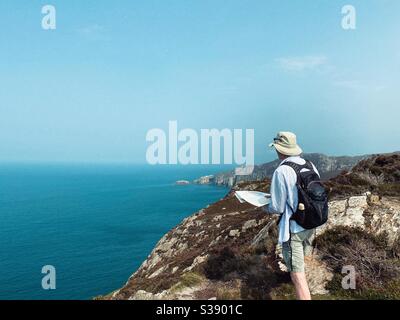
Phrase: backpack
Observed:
(312, 210)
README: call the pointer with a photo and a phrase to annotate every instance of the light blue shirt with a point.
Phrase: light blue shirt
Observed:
(284, 193)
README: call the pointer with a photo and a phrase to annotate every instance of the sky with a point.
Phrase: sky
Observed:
(90, 90)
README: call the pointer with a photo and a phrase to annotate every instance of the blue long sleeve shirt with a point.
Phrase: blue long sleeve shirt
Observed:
(284, 194)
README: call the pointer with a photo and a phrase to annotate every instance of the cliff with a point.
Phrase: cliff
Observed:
(328, 166)
(228, 250)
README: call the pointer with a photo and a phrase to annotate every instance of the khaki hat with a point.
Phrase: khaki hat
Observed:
(285, 143)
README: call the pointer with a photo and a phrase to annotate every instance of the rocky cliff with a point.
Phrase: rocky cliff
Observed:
(229, 251)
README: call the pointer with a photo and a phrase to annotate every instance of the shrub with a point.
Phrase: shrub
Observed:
(396, 249)
(256, 275)
(376, 271)
(221, 265)
(379, 174)
(227, 293)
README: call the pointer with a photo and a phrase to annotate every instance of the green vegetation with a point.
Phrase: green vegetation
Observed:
(254, 270)
(376, 264)
(228, 293)
(283, 292)
(187, 280)
(379, 174)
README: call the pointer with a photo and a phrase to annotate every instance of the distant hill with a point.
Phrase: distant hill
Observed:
(379, 174)
(328, 166)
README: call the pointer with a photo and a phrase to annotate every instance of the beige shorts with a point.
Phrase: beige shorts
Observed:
(294, 250)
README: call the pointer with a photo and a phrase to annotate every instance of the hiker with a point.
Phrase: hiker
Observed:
(298, 220)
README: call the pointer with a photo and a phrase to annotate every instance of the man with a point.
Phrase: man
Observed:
(296, 241)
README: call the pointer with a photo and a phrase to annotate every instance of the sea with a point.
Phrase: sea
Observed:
(94, 223)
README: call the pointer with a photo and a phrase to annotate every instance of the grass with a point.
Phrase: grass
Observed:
(228, 293)
(283, 292)
(187, 280)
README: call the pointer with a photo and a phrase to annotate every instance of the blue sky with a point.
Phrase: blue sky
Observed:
(112, 70)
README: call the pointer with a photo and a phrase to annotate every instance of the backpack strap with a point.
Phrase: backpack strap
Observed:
(298, 167)
(309, 165)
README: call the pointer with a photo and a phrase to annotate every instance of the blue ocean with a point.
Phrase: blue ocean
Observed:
(94, 223)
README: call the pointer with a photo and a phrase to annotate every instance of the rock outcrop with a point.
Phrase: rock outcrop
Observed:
(368, 212)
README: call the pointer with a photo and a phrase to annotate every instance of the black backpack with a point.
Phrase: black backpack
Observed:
(312, 210)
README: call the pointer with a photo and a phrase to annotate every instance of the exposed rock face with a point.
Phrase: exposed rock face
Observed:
(185, 248)
(179, 267)
(205, 180)
(366, 213)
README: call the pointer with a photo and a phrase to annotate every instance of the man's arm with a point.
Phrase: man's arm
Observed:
(278, 194)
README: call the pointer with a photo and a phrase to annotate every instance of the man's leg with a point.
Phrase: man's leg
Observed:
(293, 254)
(300, 283)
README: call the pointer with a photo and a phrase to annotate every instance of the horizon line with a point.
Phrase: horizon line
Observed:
(133, 163)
